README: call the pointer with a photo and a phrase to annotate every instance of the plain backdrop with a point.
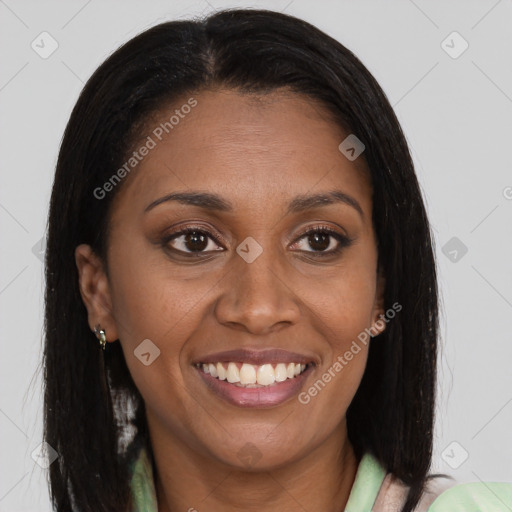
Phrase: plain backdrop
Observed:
(455, 107)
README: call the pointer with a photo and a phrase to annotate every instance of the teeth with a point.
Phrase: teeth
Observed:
(266, 375)
(248, 375)
(233, 374)
(280, 372)
(221, 372)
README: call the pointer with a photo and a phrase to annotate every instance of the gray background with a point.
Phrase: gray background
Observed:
(455, 112)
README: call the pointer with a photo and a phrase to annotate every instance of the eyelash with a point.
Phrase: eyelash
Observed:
(343, 240)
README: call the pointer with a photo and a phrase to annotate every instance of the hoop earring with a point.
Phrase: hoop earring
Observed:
(100, 334)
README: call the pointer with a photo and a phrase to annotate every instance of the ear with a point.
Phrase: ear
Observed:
(378, 322)
(95, 292)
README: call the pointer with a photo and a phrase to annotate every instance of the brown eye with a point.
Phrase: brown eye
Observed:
(191, 241)
(322, 241)
(195, 241)
(319, 241)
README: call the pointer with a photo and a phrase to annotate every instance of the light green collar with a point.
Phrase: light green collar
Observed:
(143, 485)
(369, 477)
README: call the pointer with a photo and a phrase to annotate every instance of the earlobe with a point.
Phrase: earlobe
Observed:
(95, 291)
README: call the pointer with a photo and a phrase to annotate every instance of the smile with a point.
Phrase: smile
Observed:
(252, 376)
(255, 378)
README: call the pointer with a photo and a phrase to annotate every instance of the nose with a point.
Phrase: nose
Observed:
(257, 297)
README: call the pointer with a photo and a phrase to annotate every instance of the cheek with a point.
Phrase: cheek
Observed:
(342, 319)
(343, 313)
(148, 301)
(149, 304)
(345, 304)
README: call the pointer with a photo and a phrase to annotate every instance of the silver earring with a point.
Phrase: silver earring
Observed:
(100, 334)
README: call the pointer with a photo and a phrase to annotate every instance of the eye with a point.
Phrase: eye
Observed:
(192, 240)
(323, 241)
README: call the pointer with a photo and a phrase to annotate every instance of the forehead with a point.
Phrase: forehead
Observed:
(245, 144)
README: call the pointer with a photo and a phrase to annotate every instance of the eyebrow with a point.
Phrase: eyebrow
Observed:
(298, 204)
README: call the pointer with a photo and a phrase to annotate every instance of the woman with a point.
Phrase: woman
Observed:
(236, 217)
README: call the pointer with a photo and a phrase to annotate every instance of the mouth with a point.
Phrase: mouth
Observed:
(260, 379)
(252, 376)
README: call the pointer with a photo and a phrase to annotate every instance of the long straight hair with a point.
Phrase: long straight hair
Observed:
(90, 400)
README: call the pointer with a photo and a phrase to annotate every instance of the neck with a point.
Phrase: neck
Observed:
(187, 480)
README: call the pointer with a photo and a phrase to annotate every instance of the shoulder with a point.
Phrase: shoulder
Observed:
(444, 494)
(393, 493)
(475, 496)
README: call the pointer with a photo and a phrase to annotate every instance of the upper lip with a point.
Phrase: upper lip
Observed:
(256, 357)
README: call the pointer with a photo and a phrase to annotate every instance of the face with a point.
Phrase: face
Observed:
(253, 275)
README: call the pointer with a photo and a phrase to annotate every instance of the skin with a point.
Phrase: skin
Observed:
(258, 152)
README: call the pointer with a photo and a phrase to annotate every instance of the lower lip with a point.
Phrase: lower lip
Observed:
(268, 396)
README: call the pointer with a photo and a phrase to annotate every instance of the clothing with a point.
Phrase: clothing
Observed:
(373, 490)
